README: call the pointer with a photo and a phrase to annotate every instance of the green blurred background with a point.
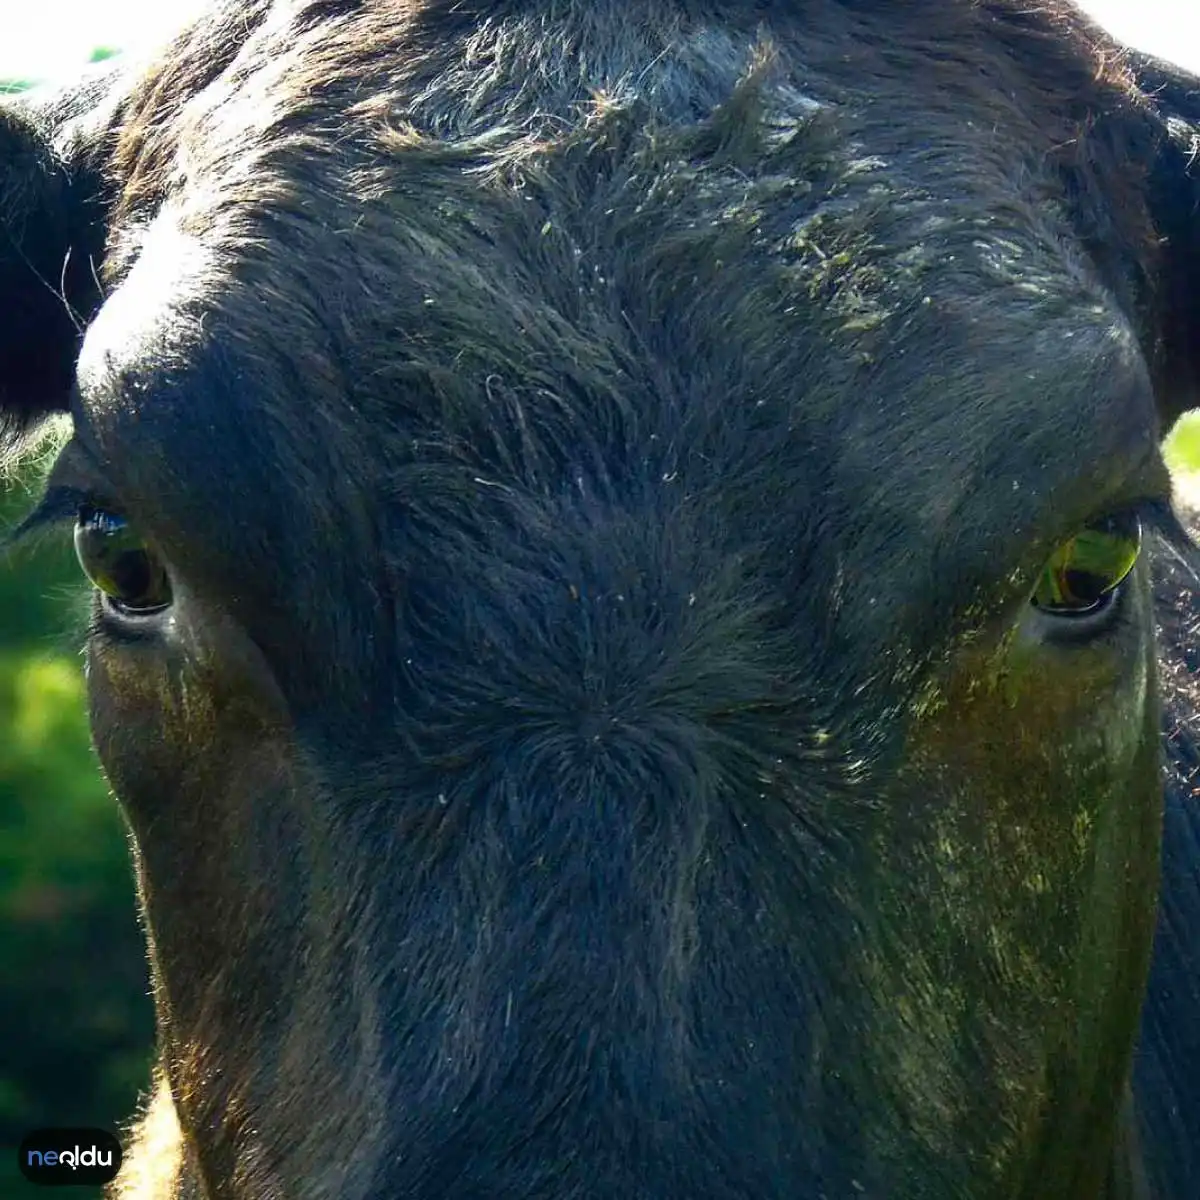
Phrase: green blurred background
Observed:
(75, 1013)
(76, 1019)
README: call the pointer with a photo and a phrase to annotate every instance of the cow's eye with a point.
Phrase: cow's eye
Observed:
(1083, 574)
(119, 563)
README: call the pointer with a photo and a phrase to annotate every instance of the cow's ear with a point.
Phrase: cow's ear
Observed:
(1174, 96)
(53, 208)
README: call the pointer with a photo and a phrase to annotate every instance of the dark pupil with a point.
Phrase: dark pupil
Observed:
(115, 559)
(1082, 587)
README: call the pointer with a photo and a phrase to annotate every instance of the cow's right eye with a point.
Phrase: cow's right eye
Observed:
(1083, 575)
(120, 564)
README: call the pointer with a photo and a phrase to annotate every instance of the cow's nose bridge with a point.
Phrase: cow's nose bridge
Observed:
(605, 836)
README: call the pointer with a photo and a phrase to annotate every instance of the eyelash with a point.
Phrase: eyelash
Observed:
(1158, 519)
(59, 507)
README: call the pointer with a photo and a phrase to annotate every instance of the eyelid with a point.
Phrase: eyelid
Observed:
(71, 484)
(57, 506)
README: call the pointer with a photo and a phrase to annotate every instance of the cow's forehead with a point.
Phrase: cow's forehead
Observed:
(681, 230)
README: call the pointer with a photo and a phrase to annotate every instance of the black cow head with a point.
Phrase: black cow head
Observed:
(620, 632)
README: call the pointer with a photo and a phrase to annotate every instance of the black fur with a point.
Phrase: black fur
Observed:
(601, 745)
(52, 230)
(1175, 198)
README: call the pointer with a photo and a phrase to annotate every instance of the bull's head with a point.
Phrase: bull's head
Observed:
(624, 628)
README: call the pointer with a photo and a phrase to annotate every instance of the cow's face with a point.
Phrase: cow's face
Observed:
(624, 634)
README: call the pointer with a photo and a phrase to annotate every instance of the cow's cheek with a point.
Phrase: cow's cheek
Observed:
(1019, 850)
(177, 705)
(193, 736)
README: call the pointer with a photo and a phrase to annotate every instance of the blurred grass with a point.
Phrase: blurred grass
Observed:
(1182, 449)
(75, 1016)
(75, 1012)
(74, 1006)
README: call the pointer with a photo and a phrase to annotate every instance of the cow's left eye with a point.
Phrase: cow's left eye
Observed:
(116, 559)
(1083, 574)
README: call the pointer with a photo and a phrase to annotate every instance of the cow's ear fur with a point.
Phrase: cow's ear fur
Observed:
(52, 234)
(1174, 96)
